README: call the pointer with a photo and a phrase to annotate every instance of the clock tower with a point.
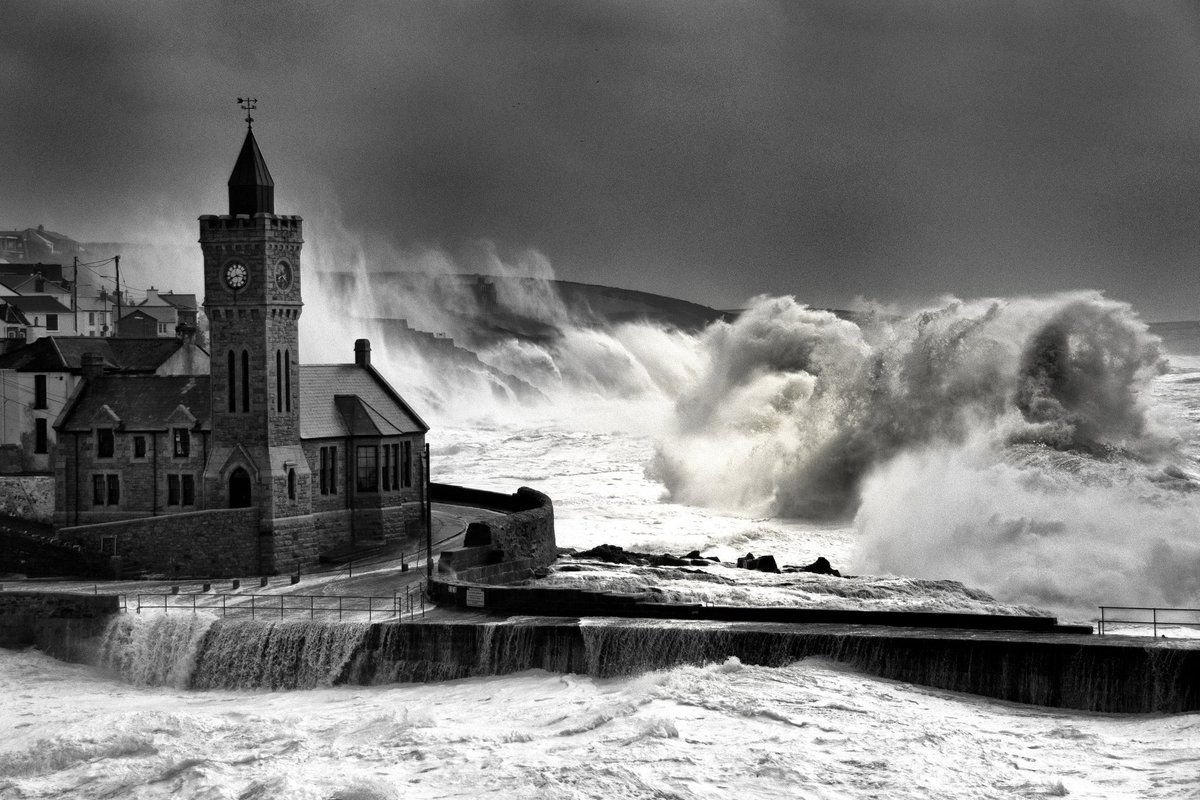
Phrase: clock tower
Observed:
(252, 300)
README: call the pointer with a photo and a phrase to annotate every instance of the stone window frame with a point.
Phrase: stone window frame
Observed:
(366, 468)
(140, 440)
(181, 489)
(181, 443)
(106, 489)
(106, 439)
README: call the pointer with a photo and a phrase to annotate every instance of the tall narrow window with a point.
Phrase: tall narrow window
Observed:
(172, 490)
(333, 470)
(105, 443)
(189, 490)
(139, 447)
(245, 380)
(183, 442)
(114, 489)
(279, 380)
(232, 382)
(39, 436)
(367, 469)
(406, 464)
(387, 467)
(291, 484)
(287, 379)
(396, 466)
(39, 391)
(324, 480)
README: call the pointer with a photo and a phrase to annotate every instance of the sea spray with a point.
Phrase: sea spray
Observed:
(154, 649)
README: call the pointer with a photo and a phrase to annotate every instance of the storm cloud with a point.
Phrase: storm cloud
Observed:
(893, 151)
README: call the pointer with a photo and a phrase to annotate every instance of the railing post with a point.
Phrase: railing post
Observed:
(339, 608)
(252, 606)
(193, 604)
(312, 606)
(281, 606)
(1154, 617)
(223, 604)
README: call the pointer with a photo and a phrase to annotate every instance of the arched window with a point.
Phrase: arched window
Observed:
(278, 380)
(240, 495)
(245, 380)
(291, 484)
(232, 382)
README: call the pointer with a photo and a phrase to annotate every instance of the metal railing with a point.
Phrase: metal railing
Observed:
(1147, 615)
(407, 604)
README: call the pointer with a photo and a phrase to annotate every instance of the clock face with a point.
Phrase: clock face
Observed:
(283, 275)
(236, 275)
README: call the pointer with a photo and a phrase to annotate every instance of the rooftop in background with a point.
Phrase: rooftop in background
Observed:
(65, 354)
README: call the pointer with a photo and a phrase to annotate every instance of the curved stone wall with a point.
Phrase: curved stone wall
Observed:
(527, 530)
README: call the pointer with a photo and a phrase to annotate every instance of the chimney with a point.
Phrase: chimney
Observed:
(93, 365)
(362, 352)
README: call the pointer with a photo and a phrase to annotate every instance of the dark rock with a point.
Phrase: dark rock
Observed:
(693, 554)
(668, 560)
(609, 553)
(765, 564)
(745, 560)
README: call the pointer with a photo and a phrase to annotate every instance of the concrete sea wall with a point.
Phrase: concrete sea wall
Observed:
(527, 529)
(1051, 669)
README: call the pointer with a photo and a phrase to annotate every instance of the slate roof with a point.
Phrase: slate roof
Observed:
(12, 314)
(167, 313)
(65, 354)
(251, 188)
(328, 406)
(187, 302)
(336, 400)
(139, 402)
(37, 304)
(51, 272)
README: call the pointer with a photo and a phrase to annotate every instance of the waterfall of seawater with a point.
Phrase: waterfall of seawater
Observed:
(200, 652)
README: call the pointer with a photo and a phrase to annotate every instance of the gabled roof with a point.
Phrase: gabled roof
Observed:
(12, 315)
(51, 272)
(185, 302)
(65, 354)
(36, 304)
(138, 402)
(158, 313)
(349, 400)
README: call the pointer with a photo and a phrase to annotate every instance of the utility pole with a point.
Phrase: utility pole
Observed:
(117, 260)
(428, 527)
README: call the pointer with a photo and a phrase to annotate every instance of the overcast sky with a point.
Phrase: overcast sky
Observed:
(895, 151)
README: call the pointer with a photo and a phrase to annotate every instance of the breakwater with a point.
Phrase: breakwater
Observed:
(1050, 669)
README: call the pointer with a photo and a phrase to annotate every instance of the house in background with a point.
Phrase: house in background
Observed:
(36, 244)
(37, 380)
(46, 315)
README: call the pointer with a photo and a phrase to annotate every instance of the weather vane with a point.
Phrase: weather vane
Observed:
(248, 104)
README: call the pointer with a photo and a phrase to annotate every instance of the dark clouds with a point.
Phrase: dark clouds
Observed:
(709, 150)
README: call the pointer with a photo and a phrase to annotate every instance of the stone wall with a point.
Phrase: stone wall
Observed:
(27, 497)
(23, 615)
(214, 543)
(527, 530)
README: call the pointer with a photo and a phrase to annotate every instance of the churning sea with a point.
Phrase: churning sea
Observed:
(1006, 455)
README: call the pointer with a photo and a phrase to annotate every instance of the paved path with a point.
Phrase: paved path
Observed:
(380, 576)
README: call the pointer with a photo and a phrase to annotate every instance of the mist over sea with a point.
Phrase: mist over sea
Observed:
(1015, 455)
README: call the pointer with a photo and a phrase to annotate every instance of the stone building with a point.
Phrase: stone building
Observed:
(260, 465)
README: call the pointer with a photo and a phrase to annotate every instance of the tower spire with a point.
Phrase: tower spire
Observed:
(251, 188)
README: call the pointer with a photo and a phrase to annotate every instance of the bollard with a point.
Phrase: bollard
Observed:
(295, 579)
(174, 590)
(236, 585)
(262, 581)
